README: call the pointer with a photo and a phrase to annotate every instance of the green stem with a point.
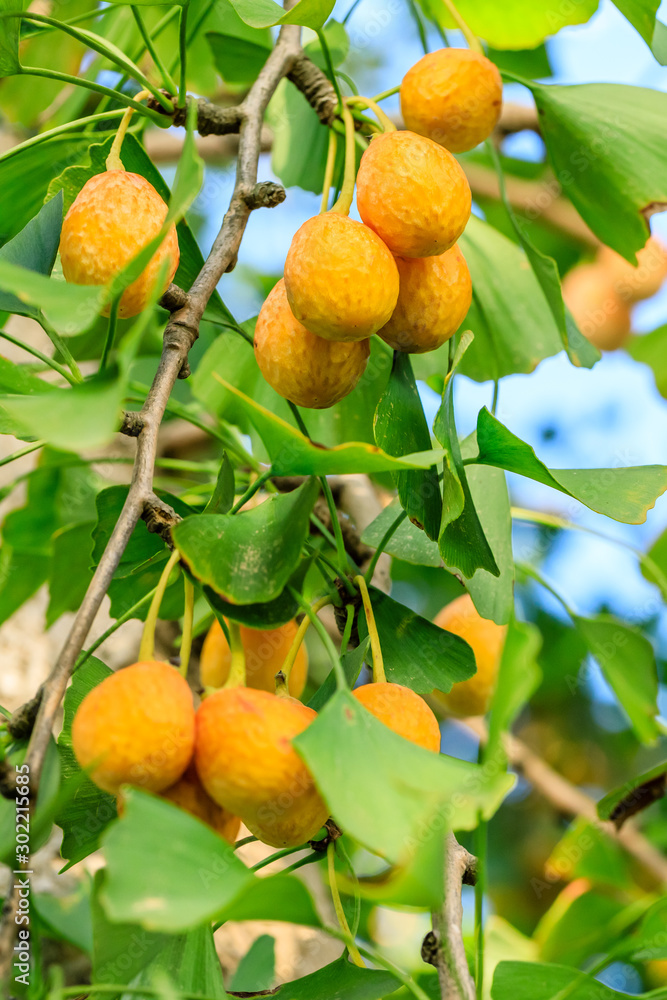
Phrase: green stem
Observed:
(98, 88)
(35, 446)
(421, 31)
(469, 35)
(152, 51)
(341, 681)
(481, 845)
(286, 668)
(553, 521)
(237, 666)
(147, 646)
(343, 203)
(384, 94)
(393, 527)
(60, 130)
(347, 631)
(111, 334)
(330, 66)
(183, 53)
(44, 358)
(250, 492)
(379, 676)
(193, 31)
(60, 345)
(329, 170)
(367, 102)
(284, 853)
(130, 613)
(97, 44)
(537, 576)
(496, 392)
(188, 616)
(340, 847)
(338, 906)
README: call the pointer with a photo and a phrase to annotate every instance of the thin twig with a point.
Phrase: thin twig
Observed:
(444, 947)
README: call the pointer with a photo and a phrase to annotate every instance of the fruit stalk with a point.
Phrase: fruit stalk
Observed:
(283, 675)
(379, 676)
(147, 645)
(469, 35)
(344, 203)
(188, 615)
(338, 907)
(367, 102)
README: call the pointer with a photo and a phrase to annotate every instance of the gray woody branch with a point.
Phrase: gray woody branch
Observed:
(443, 947)
(180, 334)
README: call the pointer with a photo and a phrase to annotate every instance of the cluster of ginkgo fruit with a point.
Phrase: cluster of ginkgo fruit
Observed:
(398, 273)
(232, 758)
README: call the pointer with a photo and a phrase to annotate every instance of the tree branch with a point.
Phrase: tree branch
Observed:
(570, 800)
(443, 947)
(179, 336)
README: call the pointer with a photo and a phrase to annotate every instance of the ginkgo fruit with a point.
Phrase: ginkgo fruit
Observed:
(433, 300)
(598, 309)
(114, 216)
(486, 639)
(299, 365)
(265, 651)
(136, 727)
(403, 711)
(340, 279)
(189, 794)
(640, 282)
(413, 194)
(247, 764)
(453, 96)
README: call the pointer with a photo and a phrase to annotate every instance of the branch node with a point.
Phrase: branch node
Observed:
(160, 518)
(266, 194)
(431, 949)
(174, 298)
(132, 423)
(211, 118)
(22, 721)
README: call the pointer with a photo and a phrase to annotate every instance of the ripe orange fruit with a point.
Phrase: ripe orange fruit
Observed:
(600, 312)
(113, 217)
(246, 763)
(635, 283)
(189, 794)
(137, 727)
(340, 279)
(265, 652)
(413, 194)
(486, 639)
(301, 366)
(453, 96)
(402, 710)
(433, 300)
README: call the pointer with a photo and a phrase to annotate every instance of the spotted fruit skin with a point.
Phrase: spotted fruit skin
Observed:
(433, 300)
(112, 218)
(403, 711)
(340, 279)
(189, 794)
(301, 366)
(413, 194)
(636, 283)
(137, 727)
(598, 309)
(265, 651)
(453, 96)
(486, 639)
(246, 763)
